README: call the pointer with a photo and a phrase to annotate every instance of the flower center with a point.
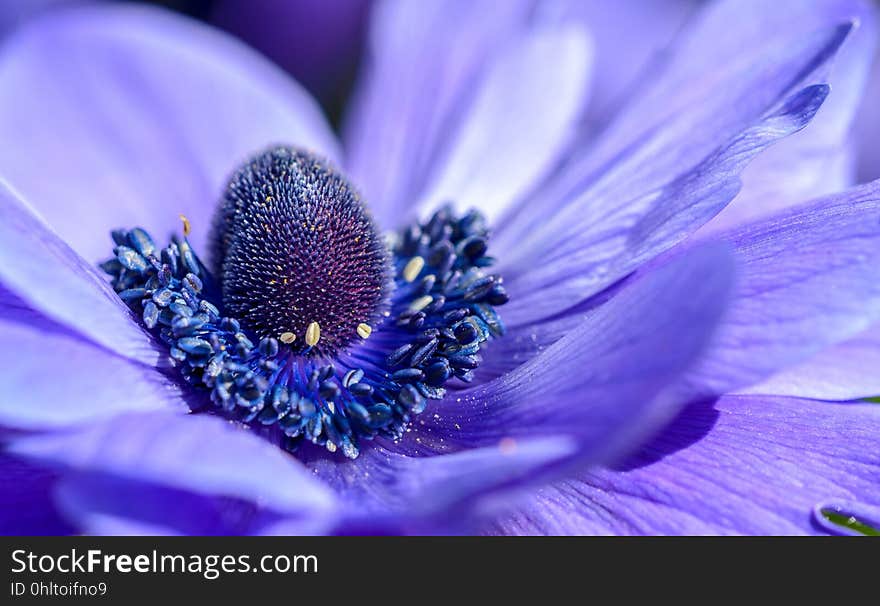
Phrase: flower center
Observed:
(316, 331)
(299, 258)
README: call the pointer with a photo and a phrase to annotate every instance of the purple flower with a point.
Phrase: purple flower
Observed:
(685, 343)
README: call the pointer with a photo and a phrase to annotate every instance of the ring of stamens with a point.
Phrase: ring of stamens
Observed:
(440, 314)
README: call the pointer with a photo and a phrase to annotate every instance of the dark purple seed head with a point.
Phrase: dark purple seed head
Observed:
(294, 246)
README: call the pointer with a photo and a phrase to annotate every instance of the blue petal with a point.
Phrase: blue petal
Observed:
(26, 499)
(751, 465)
(14, 13)
(847, 371)
(102, 504)
(40, 269)
(445, 81)
(606, 382)
(388, 492)
(669, 161)
(52, 378)
(818, 160)
(628, 37)
(810, 278)
(195, 453)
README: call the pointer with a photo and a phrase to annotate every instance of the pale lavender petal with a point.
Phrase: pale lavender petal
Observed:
(750, 465)
(38, 267)
(53, 378)
(808, 279)
(721, 98)
(523, 118)
(818, 160)
(424, 60)
(15, 309)
(584, 254)
(129, 115)
(848, 371)
(604, 383)
(195, 453)
(727, 46)
(628, 37)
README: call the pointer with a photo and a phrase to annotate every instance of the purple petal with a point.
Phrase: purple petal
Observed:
(14, 13)
(867, 129)
(53, 279)
(15, 309)
(428, 61)
(521, 121)
(129, 115)
(808, 279)
(26, 500)
(818, 160)
(579, 261)
(848, 371)
(750, 466)
(668, 163)
(389, 492)
(604, 382)
(101, 504)
(52, 378)
(628, 36)
(154, 473)
(195, 453)
(727, 50)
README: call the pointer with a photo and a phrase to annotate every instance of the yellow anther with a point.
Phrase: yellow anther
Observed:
(364, 330)
(187, 228)
(287, 337)
(421, 303)
(313, 334)
(413, 268)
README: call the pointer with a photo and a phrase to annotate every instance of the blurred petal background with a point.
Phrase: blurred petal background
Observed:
(320, 43)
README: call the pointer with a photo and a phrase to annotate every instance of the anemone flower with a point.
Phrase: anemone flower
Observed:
(564, 331)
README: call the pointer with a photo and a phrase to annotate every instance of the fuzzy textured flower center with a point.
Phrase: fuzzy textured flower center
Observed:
(299, 258)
